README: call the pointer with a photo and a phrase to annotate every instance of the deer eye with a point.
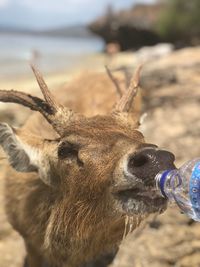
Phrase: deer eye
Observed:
(70, 151)
(66, 150)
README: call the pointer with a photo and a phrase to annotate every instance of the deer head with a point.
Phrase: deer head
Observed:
(100, 166)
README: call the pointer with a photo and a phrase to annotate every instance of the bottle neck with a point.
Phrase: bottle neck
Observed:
(161, 181)
(164, 183)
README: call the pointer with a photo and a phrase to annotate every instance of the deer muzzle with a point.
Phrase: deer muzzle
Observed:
(137, 192)
(146, 163)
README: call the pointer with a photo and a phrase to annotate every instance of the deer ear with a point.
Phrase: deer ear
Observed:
(25, 153)
(22, 156)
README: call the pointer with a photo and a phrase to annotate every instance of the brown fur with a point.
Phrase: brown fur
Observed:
(75, 218)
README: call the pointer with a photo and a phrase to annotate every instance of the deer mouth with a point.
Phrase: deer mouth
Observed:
(135, 190)
(140, 200)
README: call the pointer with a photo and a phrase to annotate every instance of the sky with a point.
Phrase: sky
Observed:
(44, 14)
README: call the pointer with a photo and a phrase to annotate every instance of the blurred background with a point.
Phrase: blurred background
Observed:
(61, 35)
(65, 38)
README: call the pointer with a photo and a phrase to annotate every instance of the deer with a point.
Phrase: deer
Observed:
(71, 184)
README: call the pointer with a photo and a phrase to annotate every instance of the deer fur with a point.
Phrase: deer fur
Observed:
(63, 167)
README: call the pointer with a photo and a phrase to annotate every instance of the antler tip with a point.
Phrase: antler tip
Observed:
(136, 77)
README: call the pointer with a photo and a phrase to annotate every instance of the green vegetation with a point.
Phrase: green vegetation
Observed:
(180, 21)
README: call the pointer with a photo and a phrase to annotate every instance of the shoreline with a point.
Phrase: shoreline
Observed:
(93, 62)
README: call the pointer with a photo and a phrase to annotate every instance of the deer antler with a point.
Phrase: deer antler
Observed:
(57, 115)
(125, 103)
(123, 110)
(44, 88)
(114, 80)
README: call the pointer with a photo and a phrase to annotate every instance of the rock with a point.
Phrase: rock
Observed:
(149, 53)
(131, 28)
(173, 123)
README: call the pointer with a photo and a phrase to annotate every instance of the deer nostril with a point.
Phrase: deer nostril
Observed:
(146, 163)
(138, 160)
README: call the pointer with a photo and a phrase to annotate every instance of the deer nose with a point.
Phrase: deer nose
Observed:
(146, 163)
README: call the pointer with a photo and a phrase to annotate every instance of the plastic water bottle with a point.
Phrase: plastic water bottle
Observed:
(182, 186)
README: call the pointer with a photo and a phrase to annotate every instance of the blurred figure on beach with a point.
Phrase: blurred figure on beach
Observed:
(35, 57)
(112, 49)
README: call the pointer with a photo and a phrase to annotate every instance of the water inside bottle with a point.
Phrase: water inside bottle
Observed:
(186, 188)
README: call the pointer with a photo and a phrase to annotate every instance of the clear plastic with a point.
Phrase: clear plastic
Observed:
(182, 186)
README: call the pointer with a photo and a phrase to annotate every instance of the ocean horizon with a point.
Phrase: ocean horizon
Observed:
(51, 54)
